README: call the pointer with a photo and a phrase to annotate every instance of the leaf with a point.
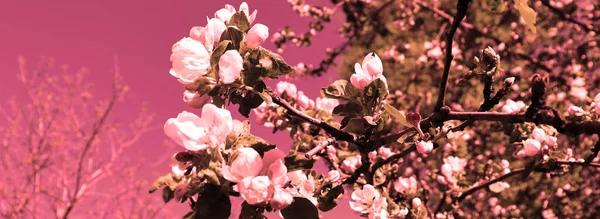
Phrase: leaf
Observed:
(266, 97)
(240, 20)
(209, 175)
(278, 67)
(328, 198)
(190, 215)
(250, 212)
(496, 6)
(348, 109)
(212, 203)
(167, 194)
(396, 114)
(356, 125)
(527, 13)
(374, 94)
(301, 208)
(223, 46)
(234, 35)
(167, 180)
(341, 89)
(298, 162)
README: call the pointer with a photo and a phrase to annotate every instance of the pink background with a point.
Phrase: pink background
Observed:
(89, 34)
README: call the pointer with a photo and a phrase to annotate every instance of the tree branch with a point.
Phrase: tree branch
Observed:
(461, 12)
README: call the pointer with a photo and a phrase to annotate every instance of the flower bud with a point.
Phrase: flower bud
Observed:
(256, 36)
(416, 203)
(424, 148)
(230, 66)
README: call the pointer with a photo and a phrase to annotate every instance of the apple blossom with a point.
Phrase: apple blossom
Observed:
(511, 106)
(531, 147)
(286, 87)
(224, 14)
(304, 102)
(424, 147)
(195, 133)
(230, 66)
(575, 111)
(351, 163)
(190, 60)
(539, 134)
(194, 100)
(416, 203)
(256, 190)
(326, 104)
(246, 10)
(333, 176)
(362, 199)
(281, 199)
(405, 185)
(248, 163)
(256, 36)
(364, 74)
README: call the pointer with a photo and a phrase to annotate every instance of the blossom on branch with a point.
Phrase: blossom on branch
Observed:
(200, 133)
(364, 74)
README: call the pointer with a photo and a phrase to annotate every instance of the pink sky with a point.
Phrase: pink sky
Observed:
(89, 33)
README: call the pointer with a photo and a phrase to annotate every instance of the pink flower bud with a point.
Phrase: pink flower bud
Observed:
(532, 147)
(521, 154)
(416, 203)
(230, 66)
(539, 134)
(194, 100)
(256, 36)
(424, 148)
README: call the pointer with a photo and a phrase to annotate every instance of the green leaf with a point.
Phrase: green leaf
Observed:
(233, 35)
(167, 194)
(212, 203)
(278, 66)
(298, 162)
(348, 109)
(356, 125)
(301, 208)
(396, 114)
(527, 13)
(328, 197)
(209, 175)
(341, 89)
(203, 85)
(240, 20)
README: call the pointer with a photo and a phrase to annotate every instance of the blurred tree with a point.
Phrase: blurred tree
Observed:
(61, 154)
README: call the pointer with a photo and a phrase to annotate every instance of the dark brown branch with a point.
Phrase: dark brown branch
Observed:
(461, 12)
(336, 133)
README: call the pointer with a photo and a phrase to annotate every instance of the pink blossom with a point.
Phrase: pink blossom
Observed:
(371, 69)
(532, 147)
(256, 36)
(333, 176)
(363, 198)
(224, 14)
(277, 173)
(539, 134)
(230, 66)
(247, 164)
(385, 152)
(596, 104)
(350, 164)
(550, 141)
(244, 8)
(190, 60)
(297, 177)
(327, 104)
(286, 87)
(210, 34)
(498, 187)
(512, 106)
(579, 93)
(405, 185)
(194, 100)
(281, 199)
(416, 203)
(304, 102)
(256, 190)
(378, 209)
(424, 147)
(195, 133)
(575, 111)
